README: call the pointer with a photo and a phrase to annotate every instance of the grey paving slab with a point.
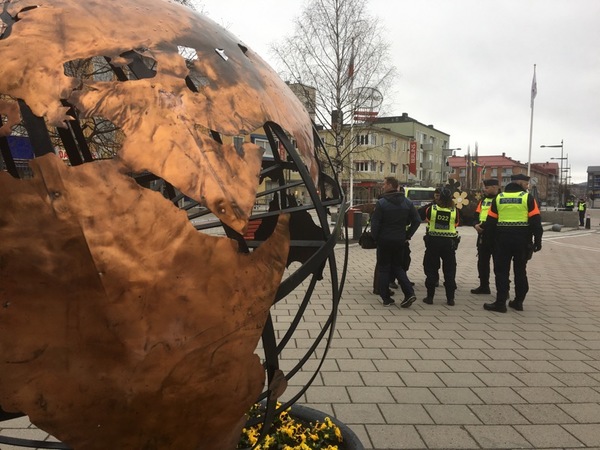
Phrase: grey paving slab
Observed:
(548, 436)
(408, 395)
(540, 395)
(446, 437)
(405, 414)
(583, 412)
(385, 437)
(452, 414)
(589, 434)
(498, 414)
(456, 396)
(579, 394)
(358, 413)
(540, 414)
(497, 437)
(370, 394)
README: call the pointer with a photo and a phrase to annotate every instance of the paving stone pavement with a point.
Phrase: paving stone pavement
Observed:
(441, 377)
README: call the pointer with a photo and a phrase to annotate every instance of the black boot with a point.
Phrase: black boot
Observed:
(429, 299)
(498, 306)
(482, 289)
(516, 304)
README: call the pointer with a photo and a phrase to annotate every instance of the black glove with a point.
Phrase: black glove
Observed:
(537, 246)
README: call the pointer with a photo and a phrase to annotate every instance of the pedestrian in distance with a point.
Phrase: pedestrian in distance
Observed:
(441, 241)
(491, 187)
(581, 208)
(394, 222)
(512, 222)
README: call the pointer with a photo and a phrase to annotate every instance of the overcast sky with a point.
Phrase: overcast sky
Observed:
(466, 66)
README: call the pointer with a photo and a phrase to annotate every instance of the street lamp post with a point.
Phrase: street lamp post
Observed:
(560, 175)
(561, 187)
(446, 152)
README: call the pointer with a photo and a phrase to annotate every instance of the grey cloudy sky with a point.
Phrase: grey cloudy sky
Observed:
(466, 66)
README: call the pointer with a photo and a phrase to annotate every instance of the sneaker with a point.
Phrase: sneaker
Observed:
(481, 290)
(428, 300)
(393, 285)
(408, 301)
(388, 302)
(514, 304)
(450, 302)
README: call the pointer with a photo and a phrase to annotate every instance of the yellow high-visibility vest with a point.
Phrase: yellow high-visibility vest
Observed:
(442, 222)
(512, 209)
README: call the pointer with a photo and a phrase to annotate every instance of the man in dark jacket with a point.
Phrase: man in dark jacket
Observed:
(512, 222)
(395, 220)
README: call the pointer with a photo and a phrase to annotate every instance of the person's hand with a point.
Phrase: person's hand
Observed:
(537, 246)
(479, 228)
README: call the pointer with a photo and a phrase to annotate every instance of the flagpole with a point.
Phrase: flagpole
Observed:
(533, 94)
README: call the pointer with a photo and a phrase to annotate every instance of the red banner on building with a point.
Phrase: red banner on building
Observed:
(412, 162)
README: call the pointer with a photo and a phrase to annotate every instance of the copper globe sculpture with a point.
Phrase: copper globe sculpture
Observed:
(124, 324)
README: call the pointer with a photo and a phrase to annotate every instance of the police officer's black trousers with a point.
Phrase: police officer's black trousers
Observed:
(511, 247)
(581, 218)
(484, 256)
(440, 249)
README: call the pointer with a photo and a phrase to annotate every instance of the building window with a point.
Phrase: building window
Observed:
(373, 139)
(494, 173)
(381, 167)
(507, 171)
(263, 143)
(393, 168)
(394, 144)
(238, 141)
(361, 166)
(362, 139)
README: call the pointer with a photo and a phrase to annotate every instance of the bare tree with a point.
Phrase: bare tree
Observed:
(338, 54)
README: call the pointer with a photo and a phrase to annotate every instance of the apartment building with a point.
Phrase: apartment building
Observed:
(430, 148)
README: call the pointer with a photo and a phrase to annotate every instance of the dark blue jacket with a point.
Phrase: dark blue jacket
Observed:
(395, 218)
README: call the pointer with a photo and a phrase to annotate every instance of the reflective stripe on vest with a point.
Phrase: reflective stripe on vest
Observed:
(486, 204)
(512, 209)
(442, 222)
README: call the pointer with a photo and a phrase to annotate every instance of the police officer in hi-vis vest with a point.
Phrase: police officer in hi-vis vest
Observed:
(484, 253)
(441, 242)
(581, 208)
(512, 222)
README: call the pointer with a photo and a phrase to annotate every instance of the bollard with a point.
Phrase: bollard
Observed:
(556, 227)
(357, 226)
(588, 223)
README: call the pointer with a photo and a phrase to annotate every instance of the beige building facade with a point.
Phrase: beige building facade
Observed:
(430, 152)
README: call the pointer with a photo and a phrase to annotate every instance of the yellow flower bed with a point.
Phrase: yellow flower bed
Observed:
(290, 434)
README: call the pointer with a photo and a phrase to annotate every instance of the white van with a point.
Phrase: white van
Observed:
(419, 195)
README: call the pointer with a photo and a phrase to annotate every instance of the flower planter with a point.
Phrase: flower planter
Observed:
(306, 414)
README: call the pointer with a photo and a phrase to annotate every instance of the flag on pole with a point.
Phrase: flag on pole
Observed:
(351, 63)
(533, 87)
